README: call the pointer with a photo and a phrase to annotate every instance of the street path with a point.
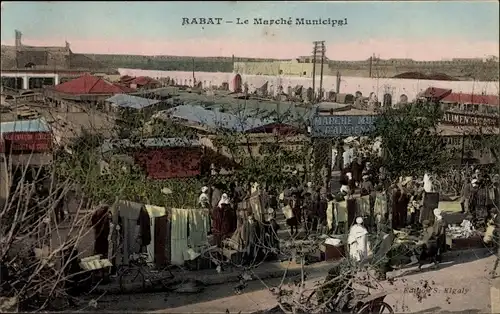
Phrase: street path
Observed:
(460, 284)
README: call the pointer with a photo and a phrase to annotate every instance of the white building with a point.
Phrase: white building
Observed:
(348, 85)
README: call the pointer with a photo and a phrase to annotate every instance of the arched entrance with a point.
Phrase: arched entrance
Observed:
(387, 99)
(237, 82)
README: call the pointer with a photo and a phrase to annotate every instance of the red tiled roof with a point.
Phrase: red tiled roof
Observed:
(125, 89)
(460, 98)
(144, 80)
(89, 84)
(126, 79)
(436, 93)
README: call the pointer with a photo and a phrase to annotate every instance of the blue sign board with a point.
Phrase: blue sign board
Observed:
(337, 126)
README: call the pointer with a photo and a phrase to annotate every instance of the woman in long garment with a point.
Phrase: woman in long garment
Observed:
(293, 220)
(217, 224)
(400, 208)
(297, 207)
(357, 169)
(440, 234)
(229, 219)
(322, 208)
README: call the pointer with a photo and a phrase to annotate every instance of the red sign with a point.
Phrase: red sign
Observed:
(169, 163)
(27, 141)
(27, 136)
(457, 118)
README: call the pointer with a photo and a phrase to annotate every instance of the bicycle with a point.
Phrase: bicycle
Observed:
(142, 268)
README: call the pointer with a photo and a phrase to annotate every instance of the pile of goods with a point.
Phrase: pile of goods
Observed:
(463, 231)
(94, 263)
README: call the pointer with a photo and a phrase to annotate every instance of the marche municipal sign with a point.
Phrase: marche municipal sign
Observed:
(348, 125)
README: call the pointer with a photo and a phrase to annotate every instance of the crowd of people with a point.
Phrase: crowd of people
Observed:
(305, 205)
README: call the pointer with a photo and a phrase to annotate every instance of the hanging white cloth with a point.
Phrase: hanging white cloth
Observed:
(380, 207)
(358, 241)
(363, 205)
(179, 237)
(329, 214)
(129, 213)
(341, 211)
(197, 227)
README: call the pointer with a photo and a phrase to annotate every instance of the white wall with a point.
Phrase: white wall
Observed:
(348, 85)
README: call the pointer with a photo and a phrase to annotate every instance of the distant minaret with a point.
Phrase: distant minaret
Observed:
(18, 36)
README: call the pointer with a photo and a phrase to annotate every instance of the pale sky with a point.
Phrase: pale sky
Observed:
(419, 30)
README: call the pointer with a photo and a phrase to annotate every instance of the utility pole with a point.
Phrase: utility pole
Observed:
(194, 78)
(338, 80)
(314, 71)
(323, 51)
(319, 49)
(371, 63)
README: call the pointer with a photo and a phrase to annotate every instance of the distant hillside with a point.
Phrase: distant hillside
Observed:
(165, 63)
(172, 63)
(465, 69)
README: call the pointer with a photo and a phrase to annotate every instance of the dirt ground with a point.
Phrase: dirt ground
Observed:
(461, 283)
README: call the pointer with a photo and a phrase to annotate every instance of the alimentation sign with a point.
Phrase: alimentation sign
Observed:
(348, 125)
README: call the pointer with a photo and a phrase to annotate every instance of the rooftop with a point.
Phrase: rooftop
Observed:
(110, 145)
(129, 101)
(89, 84)
(492, 100)
(36, 125)
(284, 111)
(215, 119)
(157, 92)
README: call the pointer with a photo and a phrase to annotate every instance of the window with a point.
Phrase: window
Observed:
(12, 82)
(305, 73)
(281, 71)
(39, 82)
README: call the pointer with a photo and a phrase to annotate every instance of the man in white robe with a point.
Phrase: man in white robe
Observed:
(358, 241)
(204, 203)
(204, 199)
(428, 184)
